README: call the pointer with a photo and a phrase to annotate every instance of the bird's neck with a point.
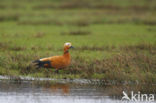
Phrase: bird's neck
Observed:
(66, 54)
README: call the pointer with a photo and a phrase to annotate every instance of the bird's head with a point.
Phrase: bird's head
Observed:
(67, 46)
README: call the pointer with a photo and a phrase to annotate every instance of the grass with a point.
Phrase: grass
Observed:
(114, 41)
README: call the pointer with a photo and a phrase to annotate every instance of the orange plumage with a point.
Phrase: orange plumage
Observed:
(57, 62)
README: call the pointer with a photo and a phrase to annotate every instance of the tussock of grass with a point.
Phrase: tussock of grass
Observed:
(39, 35)
(7, 46)
(9, 17)
(2, 6)
(75, 4)
(78, 32)
(44, 6)
(40, 22)
(48, 21)
(83, 22)
(95, 48)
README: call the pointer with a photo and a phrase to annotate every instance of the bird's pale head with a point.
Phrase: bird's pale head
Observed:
(67, 46)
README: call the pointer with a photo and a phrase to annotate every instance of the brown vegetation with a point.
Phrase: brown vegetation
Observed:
(78, 32)
(7, 46)
(9, 17)
(39, 35)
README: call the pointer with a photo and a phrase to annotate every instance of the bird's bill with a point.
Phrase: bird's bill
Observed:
(71, 47)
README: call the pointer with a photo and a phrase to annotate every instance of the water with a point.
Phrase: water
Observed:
(27, 91)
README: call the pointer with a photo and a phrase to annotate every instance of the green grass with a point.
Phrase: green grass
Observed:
(99, 31)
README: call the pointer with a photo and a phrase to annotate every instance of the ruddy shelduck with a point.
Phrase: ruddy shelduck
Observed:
(57, 62)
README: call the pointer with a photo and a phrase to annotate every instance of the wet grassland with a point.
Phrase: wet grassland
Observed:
(115, 41)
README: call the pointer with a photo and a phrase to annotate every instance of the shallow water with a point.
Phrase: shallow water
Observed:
(27, 91)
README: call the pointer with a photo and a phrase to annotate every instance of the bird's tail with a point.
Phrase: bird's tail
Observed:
(40, 63)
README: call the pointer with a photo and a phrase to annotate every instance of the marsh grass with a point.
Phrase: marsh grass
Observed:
(114, 41)
(39, 35)
(130, 65)
(81, 22)
(9, 17)
(76, 4)
(95, 48)
(38, 22)
(76, 32)
(116, 90)
(2, 6)
(7, 46)
(99, 13)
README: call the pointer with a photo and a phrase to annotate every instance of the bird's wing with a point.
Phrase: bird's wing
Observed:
(57, 61)
(45, 62)
(45, 59)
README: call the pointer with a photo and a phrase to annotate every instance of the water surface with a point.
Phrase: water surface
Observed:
(27, 91)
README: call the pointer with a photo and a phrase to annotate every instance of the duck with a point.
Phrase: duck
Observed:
(57, 62)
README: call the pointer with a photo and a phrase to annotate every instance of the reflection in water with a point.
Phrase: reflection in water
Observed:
(50, 92)
(57, 88)
(63, 87)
